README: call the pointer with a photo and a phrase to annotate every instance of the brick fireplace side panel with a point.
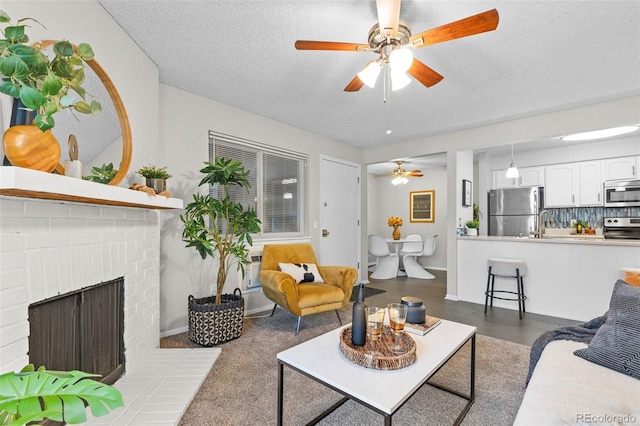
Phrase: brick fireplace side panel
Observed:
(49, 248)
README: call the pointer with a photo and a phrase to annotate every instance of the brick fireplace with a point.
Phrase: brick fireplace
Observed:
(51, 247)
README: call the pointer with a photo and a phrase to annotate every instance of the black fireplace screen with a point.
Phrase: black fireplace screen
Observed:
(81, 330)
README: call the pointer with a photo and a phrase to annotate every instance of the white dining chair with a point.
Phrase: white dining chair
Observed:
(410, 260)
(387, 262)
(413, 245)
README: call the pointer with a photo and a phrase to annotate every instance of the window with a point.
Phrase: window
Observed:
(277, 181)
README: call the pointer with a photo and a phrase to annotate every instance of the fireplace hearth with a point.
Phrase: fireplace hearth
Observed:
(80, 330)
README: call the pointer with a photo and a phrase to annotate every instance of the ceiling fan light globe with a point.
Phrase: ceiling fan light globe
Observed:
(400, 59)
(370, 73)
(399, 79)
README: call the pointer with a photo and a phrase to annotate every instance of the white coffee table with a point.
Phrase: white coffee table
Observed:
(320, 359)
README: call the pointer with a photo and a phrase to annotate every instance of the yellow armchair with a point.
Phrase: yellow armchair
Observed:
(305, 298)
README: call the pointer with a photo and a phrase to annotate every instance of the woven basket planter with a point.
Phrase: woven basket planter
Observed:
(211, 324)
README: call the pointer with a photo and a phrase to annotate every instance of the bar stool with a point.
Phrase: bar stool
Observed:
(512, 268)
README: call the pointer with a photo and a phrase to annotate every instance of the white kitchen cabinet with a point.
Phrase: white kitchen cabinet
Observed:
(621, 168)
(590, 183)
(561, 185)
(529, 176)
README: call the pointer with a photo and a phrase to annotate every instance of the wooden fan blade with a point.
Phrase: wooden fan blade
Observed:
(476, 24)
(388, 16)
(414, 174)
(354, 85)
(330, 45)
(424, 74)
(414, 171)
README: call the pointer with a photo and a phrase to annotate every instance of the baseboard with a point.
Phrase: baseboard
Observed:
(173, 331)
(451, 297)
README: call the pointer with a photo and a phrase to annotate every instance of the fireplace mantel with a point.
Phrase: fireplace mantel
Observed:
(20, 182)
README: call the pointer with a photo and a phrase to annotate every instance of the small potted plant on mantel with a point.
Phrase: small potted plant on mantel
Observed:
(156, 177)
(222, 228)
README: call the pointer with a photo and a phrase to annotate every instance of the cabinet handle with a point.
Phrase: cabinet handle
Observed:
(598, 197)
(573, 198)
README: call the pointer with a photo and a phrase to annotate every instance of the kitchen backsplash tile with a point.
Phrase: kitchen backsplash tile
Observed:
(593, 215)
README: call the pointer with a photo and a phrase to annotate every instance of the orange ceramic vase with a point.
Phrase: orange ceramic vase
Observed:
(29, 147)
(396, 233)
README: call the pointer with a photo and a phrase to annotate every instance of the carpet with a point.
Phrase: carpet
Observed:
(368, 291)
(241, 388)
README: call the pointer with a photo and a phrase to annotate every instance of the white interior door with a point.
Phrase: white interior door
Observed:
(340, 213)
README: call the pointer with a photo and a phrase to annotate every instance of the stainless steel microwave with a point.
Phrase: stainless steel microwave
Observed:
(622, 193)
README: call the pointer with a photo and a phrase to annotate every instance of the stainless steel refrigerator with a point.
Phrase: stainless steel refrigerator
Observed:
(514, 211)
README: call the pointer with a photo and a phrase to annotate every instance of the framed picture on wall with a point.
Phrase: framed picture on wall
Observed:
(422, 206)
(466, 192)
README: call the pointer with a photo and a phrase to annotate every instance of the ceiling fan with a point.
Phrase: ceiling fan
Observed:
(400, 175)
(392, 40)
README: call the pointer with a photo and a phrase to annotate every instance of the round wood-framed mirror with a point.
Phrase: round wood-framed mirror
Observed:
(113, 108)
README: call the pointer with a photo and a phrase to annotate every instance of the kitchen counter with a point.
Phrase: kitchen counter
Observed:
(567, 276)
(559, 239)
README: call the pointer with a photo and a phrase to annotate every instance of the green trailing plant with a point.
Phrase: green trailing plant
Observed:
(153, 172)
(43, 84)
(472, 224)
(220, 226)
(103, 174)
(35, 395)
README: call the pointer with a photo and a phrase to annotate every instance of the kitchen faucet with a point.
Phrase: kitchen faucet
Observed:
(541, 223)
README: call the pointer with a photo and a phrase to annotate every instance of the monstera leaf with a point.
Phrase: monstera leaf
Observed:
(62, 396)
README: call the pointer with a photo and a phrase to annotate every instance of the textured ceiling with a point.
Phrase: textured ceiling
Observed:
(544, 56)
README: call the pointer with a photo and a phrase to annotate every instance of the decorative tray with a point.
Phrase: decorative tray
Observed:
(378, 354)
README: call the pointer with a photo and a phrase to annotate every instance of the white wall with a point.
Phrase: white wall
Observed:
(393, 200)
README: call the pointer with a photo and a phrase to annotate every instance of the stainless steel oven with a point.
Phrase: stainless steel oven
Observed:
(627, 228)
(622, 193)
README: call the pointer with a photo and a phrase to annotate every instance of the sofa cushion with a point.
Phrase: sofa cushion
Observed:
(302, 272)
(616, 344)
(566, 389)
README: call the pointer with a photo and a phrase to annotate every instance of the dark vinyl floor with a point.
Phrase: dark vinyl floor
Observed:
(498, 322)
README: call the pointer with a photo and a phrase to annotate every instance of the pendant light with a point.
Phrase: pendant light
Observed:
(512, 171)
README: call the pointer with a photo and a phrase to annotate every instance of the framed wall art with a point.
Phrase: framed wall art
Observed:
(422, 206)
(466, 192)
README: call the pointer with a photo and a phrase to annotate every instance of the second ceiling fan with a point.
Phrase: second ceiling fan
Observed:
(400, 175)
(392, 40)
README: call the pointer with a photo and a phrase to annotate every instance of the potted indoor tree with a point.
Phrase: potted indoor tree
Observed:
(222, 228)
(156, 177)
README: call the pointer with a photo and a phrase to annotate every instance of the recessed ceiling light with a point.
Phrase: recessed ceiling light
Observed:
(599, 134)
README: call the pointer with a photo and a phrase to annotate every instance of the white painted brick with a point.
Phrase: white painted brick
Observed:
(135, 256)
(81, 237)
(24, 224)
(10, 333)
(76, 260)
(12, 260)
(11, 207)
(14, 314)
(66, 224)
(105, 260)
(113, 212)
(49, 209)
(96, 264)
(14, 356)
(113, 236)
(11, 242)
(137, 214)
(51, 272)
(144, 264)
(10, 278)
(83, 210)
(65, 283)
(134, 235)
(151, 273)
(13, 296)
(144, 244)
(47, 239)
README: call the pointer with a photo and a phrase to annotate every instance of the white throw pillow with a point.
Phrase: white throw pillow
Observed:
(302, 272)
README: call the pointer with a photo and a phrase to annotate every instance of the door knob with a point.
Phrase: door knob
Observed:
(325, 233)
